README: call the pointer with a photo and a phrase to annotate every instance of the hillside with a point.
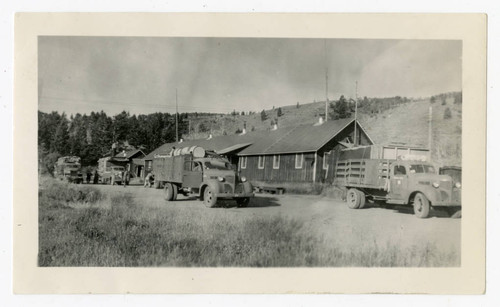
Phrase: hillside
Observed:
(406, 123)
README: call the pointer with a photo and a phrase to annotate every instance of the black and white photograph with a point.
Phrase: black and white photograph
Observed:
(249, 152)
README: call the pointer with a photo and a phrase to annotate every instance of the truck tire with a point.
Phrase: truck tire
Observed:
(209, 198)
(168, 191)
(421, 206)
(362, 199)
(242, 202)
(174, 191)
(353, 199)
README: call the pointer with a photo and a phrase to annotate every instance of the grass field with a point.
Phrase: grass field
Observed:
(80, 226)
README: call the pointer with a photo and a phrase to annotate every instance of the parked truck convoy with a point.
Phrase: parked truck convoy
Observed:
(194, 171)
(69, 168)
(397, 175)
(109, 171)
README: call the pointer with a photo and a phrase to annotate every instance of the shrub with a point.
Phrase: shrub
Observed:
(447, 113)
(53, 193)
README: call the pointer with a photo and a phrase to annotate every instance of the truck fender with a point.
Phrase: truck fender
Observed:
(212, 184)
(430, 193)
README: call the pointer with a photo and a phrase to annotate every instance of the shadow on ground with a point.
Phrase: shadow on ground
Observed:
(256, 202)
(439, 213)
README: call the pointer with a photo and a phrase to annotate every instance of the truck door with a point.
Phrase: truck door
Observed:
(399, 182)
(193, 174)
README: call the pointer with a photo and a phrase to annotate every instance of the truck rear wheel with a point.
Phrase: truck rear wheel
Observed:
(362, 199)
(209, 198)
(421, 206)
(168, 191)
(353, 199)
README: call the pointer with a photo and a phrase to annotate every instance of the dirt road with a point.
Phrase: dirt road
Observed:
(329, 218)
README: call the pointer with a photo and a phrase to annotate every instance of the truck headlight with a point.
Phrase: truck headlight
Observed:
(435, 184)
(458, 185)
(243, 179)
(221, 179)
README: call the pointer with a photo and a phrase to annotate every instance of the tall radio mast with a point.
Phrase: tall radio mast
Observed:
(176, 119)
(326, 86)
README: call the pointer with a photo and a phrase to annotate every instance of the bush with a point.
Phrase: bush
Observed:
(53, 193)
(447, 113)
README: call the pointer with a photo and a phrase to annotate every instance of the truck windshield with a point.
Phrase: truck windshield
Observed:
(219, 165)
(422, 168)
(118, 168)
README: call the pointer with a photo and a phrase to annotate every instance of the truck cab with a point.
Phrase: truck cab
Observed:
(69, 169)
(409, 178)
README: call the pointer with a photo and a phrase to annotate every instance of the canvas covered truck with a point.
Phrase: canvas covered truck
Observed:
(397, 175)
(69, 168)
(110, 172)
(194, 171)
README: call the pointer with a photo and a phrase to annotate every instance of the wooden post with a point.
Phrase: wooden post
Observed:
(430, 131)
(176, 120)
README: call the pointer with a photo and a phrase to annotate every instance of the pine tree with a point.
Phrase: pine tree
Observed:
(263, 115)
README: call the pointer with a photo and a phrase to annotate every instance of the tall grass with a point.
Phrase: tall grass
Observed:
(116, 231)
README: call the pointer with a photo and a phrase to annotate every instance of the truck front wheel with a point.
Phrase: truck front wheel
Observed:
(209, 198)
(421, 206)
(169, 192)
(355, 198)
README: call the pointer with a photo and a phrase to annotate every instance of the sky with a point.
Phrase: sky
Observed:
(141, 75)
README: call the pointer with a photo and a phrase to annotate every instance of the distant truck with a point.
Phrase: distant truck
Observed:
(69, 169)
(396, 175)
(109, 171)
(192, 171)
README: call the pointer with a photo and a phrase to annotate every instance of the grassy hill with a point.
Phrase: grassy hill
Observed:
(407, 122)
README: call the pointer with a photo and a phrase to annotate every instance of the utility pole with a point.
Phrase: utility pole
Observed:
(430, 131)
(356, 115)
(326, 87)
(176, 119)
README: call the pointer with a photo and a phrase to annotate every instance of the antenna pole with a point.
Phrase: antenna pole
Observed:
(326, 87)
(356, 115)
(176, 119)
(430, 131)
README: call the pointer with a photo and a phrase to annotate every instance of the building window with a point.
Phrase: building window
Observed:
(243, 162)
(299, 160)
(262, 160)
(276, 161)
(327, 157)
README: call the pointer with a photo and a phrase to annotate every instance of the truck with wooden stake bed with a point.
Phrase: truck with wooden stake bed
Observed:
(205, 174)
(69, 169)
(110, 171)
(396, 174)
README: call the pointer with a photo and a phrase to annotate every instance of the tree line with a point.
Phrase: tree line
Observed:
(91, 136)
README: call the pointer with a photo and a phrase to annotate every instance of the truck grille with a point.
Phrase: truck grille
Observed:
(238, 189)
(228, 188)
(445, 196)
(445, 184)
